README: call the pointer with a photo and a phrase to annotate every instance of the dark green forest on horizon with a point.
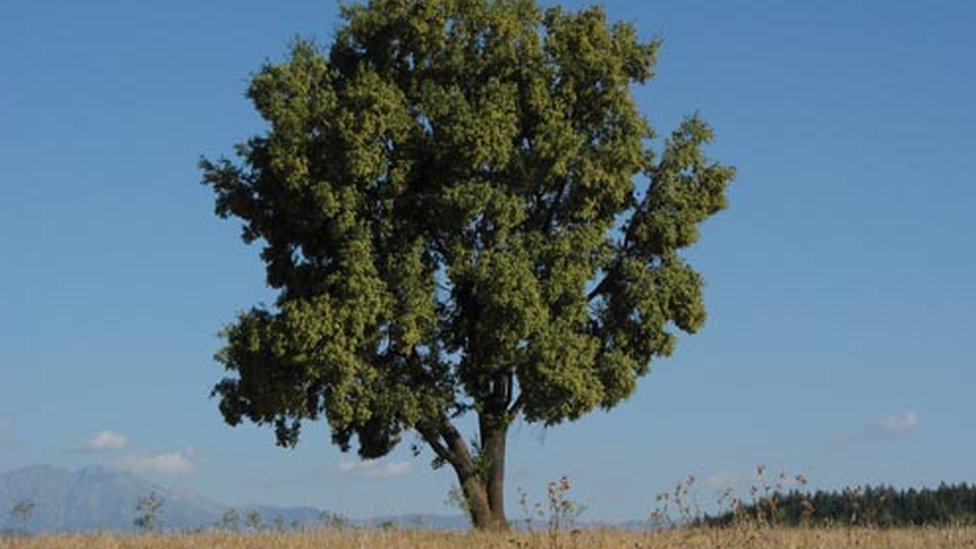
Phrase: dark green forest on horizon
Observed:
(881, 506)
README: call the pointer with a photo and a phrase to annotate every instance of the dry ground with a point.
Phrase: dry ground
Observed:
(701, 538)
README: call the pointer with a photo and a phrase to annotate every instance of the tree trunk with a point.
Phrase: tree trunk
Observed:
(485, 501)
(481, 476)
(494, 436)
(482, 479)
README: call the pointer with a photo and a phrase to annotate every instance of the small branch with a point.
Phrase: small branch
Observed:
(441, 247)
(516, 408)
(556, 201)
(601, 287)
(509, 387)
(442, 287)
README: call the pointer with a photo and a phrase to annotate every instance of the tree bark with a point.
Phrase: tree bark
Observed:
(482, 479)
(494, 435)
(477, 500)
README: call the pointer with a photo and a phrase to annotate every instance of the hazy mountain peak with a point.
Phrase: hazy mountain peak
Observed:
(93, 498)
(103, 498)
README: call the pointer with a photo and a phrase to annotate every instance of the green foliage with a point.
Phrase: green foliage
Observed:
(461, 210)
(149, 508)
(884, 506)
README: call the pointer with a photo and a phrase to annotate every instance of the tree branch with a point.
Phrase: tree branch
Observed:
(516, 408)
(509, 387)
(439, 449)
(602, 286)
(453, 450)
(556, 201)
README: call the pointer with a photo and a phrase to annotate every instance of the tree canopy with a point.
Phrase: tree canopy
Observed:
(461, 208)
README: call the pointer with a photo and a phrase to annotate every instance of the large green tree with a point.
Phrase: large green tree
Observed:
(460, 207)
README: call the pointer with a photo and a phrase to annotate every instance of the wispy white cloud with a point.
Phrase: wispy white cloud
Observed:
(893, 424)
(839, 438)
(102, 441)
(166, 463)
(722, 479)
(376, 469)
(896, 423)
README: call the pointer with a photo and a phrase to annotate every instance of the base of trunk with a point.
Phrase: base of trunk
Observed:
(483, 516)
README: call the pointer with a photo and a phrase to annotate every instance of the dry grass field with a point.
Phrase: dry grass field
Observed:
(678, 538)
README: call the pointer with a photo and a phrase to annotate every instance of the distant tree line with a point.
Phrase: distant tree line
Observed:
(882, 506)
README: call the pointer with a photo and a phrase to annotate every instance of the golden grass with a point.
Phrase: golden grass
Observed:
(695, 538)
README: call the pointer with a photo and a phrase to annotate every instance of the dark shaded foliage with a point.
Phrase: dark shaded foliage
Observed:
(881, 506)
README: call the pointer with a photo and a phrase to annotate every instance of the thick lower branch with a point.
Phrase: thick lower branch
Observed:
(456, 446)
(481, 478)
(476, 499)
(435, 444)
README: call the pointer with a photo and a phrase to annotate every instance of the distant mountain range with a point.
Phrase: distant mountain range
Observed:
(100, 499)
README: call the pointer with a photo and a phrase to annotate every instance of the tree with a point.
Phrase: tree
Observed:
(253, 520)
(335, 521)
(462, 213)
(23, 510)
(230, 520)
(149, 508)
(279, 524)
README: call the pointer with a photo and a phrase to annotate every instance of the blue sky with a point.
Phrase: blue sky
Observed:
(841, 281)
